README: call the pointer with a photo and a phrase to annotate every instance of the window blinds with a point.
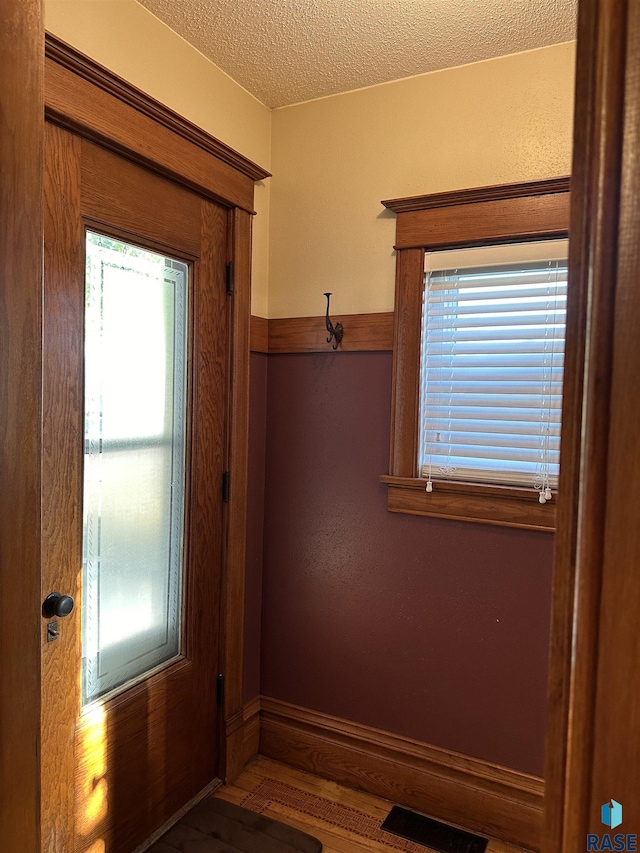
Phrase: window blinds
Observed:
(491, 371)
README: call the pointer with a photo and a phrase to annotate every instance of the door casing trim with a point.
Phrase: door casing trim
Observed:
(89, 100)
(21, 217)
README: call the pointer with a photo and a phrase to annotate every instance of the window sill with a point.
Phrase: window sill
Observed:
(504, 506)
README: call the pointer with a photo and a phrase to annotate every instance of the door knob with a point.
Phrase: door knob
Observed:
(56, 604)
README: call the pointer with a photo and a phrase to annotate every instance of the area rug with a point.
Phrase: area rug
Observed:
(329, 812)
(216, 826)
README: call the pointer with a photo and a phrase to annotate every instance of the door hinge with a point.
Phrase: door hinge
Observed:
(226, 486)
(230, 278)
(220, 690)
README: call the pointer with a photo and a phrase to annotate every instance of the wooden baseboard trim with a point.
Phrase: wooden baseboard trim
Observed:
(251, 725)
(362, 333)
(474, 794)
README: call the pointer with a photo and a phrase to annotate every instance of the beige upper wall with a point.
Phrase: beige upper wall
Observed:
(130, 41)
(320, 225)
(334, 159)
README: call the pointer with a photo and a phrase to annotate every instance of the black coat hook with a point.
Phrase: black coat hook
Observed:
(334, 331)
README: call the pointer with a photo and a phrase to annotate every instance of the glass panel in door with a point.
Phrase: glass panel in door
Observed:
(134, 463)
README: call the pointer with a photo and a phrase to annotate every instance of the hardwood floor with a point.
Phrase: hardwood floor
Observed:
(346, 821)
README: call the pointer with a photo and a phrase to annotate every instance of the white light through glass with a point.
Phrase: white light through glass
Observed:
(135, 413)
(492, 365)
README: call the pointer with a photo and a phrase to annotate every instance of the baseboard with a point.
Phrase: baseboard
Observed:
(362, 333)
(251, 726)
(456, 788)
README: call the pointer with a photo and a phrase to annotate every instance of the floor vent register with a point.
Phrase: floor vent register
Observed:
(431, 833)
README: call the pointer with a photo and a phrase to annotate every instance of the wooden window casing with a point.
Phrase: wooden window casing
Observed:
(476, 217)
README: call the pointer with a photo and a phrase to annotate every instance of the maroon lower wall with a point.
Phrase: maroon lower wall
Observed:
(437, 630)
(255, 525)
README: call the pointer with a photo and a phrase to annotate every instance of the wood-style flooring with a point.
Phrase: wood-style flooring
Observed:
(346, 821)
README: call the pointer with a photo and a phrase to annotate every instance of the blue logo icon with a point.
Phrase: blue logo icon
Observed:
(612, 814)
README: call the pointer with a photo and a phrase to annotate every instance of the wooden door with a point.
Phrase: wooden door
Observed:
(119, 764)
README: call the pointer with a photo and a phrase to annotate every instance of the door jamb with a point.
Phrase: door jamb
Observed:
(21, 167)
(607, 95)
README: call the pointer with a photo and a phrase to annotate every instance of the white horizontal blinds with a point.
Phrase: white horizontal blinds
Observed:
(491, 370)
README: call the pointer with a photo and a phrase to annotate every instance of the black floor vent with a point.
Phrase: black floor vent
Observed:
(432, 833)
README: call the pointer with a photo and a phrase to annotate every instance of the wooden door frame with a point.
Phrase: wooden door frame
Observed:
(602, 75)
(21, 168)
(93, 103)
(604, 257)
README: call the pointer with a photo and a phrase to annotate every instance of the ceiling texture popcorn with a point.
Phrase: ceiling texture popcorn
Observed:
(288, 51)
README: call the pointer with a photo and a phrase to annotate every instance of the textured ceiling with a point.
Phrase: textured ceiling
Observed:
(287, 51)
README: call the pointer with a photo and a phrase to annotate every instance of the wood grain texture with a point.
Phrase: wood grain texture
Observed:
(467, 217)
(143, 727)
(238, 450)
(135, 761)
(120, 194)
(586, 198)
(157, 835)
(403, 457)
(618, 664)
(451, 787)
(209, 426)
(62, 466)
(503, 506)
(21, 170)
(345, 820)
(526, 189)
(259, 334)
(83, 66)
(362, 332)
(251, 723)
(76, 103)
(135, 741)
(593, 738)
(518, 218)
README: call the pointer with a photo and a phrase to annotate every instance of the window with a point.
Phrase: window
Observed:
(491, 365)
(134, 464)
(479, 348)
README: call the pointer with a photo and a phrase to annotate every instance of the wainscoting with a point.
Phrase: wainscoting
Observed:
(321, 419)
(362, 333)
(459, 789)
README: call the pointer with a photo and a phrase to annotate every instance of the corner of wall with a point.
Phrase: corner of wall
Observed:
(110, 31)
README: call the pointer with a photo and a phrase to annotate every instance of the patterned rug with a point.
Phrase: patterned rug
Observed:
(269, 791)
